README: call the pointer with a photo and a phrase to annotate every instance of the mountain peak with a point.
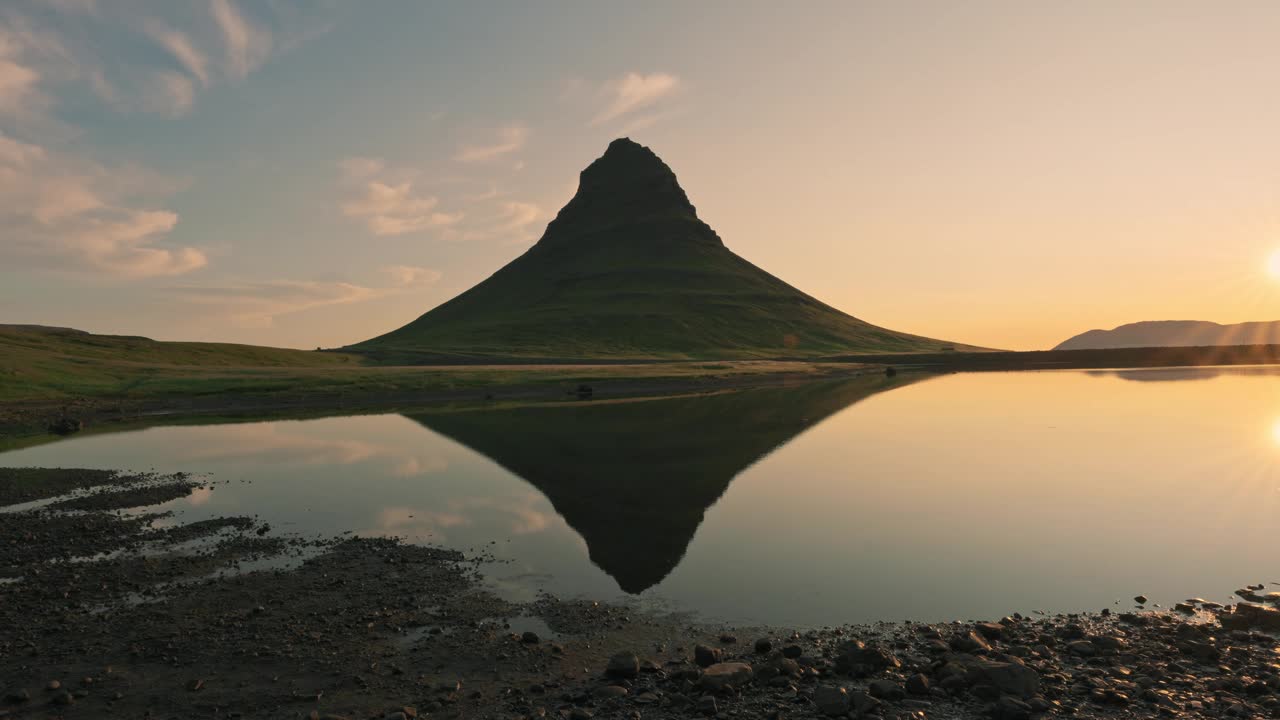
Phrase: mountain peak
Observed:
(626, 184)
(627, 269)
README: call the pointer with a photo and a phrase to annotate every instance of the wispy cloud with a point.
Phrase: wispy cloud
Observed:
(633, 92)
(388, 207)
(68, 214)
(248, 44)
(405, 276)
(509, 221)
(168, 92)
(361, 168)
(259, 304)
(397, 209)
(509, 140)
(180, 47)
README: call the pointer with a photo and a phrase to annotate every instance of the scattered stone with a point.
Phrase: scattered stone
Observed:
(918, 684)
(706, 705)
(885, 689)
(1247, 616)
(530, 637)
(831, 700)
(1140, 599)
(857, 657)
(764, 646)
(623, 665)
(611, 691)
(726, 675)
(705, 656)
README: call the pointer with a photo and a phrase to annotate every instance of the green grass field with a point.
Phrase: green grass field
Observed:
(46, 365)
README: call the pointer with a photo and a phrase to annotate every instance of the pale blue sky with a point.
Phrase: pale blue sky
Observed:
(305, 173)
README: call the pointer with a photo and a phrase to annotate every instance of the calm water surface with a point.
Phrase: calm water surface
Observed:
(961, 496)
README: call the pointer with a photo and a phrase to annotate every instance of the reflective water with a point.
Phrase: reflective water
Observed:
(960, 496)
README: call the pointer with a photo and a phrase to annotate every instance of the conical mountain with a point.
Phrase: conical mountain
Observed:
(627, 270)
(635, 479)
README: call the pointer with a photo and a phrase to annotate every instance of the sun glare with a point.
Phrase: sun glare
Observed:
(1273, 264)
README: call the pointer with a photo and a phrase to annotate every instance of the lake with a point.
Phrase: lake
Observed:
(926, 498)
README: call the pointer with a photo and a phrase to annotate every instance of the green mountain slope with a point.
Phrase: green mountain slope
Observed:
(627, 270)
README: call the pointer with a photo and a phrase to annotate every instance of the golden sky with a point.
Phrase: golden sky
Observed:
(1005, 174)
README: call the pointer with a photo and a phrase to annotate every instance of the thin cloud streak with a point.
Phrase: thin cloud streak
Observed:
(510, 139)
(248, 45)
(633, 92)
(180, 47)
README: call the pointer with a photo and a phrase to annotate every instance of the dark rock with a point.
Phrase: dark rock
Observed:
(970, 642)
(728, 639)
(606, 692)
(705, 656)
(792, 651)
(706, 705)
(17, 696)
(857, 657)
(530, 638)
(1011, 678)
(623, 665)
(764, 646)
(1084, 648)
(831, 700)
(726, 675)
(886, 690)
(863, 704)
(1010, 708)
(1140, 599)
(918, 684)
(993, 631)
(1246, 616)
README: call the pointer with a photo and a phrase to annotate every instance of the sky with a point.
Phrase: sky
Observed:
(304, 173)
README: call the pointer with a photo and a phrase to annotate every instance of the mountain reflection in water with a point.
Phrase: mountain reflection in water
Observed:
(634, 479)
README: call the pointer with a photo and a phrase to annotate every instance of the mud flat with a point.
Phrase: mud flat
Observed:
(110, 609)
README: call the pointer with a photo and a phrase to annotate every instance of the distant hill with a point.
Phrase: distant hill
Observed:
(1176, 333)
(627, 270)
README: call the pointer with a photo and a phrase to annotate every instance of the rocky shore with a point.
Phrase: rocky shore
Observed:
(110, 608)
